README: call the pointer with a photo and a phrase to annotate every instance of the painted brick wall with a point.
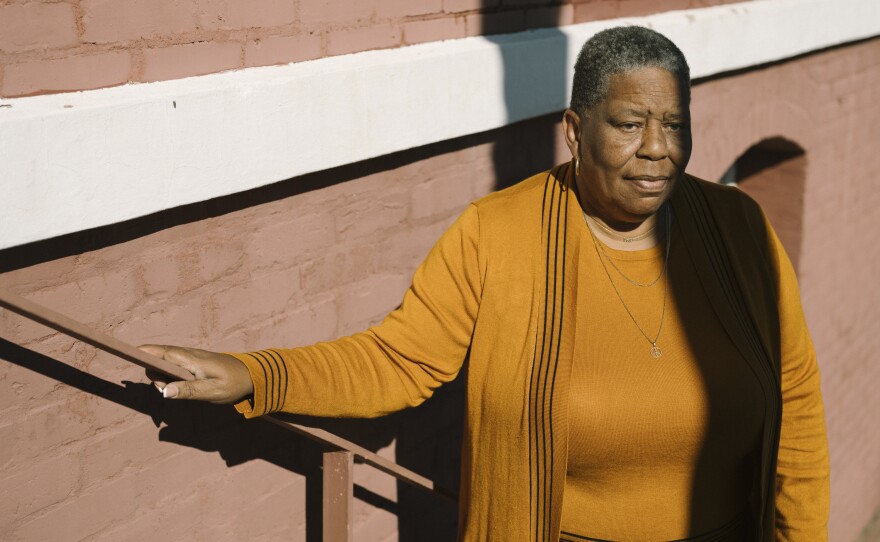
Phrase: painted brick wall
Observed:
(63, 45)
(326, 255)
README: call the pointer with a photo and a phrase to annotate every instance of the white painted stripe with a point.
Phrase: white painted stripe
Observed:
(119, 153)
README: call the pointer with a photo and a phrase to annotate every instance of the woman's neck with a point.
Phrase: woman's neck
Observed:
(627, 236)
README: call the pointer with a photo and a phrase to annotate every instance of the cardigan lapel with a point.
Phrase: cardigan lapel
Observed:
(741, 318)
(556, 292)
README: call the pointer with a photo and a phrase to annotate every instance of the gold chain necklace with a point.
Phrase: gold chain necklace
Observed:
(620, 237)
(655, 351)
(611, 260)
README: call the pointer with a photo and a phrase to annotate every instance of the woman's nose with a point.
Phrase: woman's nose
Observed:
(654, 145)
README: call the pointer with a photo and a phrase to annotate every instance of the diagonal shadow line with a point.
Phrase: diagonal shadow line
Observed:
(187, 423)
(48, 367)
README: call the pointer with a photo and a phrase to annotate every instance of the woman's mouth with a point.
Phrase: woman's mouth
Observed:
(649, 183)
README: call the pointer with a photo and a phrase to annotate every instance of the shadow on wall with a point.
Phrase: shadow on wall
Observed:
(774, 172)
(215, 428)
(528, 86)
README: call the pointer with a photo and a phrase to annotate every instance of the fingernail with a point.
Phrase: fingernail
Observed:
(169, 392)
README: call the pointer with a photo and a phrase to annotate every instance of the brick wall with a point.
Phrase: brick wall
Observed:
(63, 45)
(312, 258)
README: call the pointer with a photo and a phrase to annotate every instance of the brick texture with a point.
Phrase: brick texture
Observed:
(104, 21)
(204, 33)
(341, 42)
(281, 49)
(34, 25)
(325, 12)
(395, 9)
(236, 14)
(433, 30)
(189, 59)
(65, 74)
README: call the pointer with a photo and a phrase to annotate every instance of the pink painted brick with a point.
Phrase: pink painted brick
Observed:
(235, 14)
(66, 74)
(440, 197)
(637, 8)
(190, 59)
(289, 240)
(548, 17)
(109, 454)
(367, 303)
(505, 22)
(709, 3)
(363, 39)
(217, 258)
(434, 30)
(526, 3)
(266, 295)
(369, 212)
(459, 6)
(342, 266)
(302, 326)
(90, 296)
(21, 386)
(324, 12)
(404, 250)
(37, 25)
(8, 433)
(394, 9)
(161, 277)
(596, 11)
(120, 499)
(172, 322)
(282, 50)
(108, 21)
(38, 486)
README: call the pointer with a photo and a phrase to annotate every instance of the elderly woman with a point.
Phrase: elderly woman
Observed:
(639, 365)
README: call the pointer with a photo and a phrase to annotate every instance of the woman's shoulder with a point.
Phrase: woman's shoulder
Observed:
(728, 202)
(520, 201)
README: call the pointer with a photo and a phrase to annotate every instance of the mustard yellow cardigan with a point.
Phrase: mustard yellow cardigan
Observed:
(500, 288)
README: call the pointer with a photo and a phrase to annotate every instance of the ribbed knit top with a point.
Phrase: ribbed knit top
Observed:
(659, 448)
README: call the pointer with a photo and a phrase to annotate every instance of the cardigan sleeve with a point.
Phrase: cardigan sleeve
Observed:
(802, 473)
(393, 365)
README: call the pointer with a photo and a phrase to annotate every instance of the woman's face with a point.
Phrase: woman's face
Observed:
(633, 146)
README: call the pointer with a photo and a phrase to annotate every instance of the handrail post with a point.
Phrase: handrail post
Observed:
(338, 496)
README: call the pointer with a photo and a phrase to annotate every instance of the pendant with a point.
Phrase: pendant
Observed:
(655, 351)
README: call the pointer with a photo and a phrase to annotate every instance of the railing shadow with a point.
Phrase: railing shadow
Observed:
(219, 429)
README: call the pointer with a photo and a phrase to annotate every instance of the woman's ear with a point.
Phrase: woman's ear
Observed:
(571, 129)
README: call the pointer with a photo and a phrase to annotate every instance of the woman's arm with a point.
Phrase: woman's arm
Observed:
(391, 366)
(802, 473)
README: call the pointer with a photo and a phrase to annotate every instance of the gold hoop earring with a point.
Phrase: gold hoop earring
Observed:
(577, 166)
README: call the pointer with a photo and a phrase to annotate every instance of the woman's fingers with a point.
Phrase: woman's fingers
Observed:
(191, 389)
(218, 378)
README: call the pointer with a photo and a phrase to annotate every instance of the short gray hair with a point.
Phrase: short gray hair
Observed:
(623, 49)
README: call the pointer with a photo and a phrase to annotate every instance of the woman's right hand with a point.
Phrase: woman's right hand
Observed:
(219, 378)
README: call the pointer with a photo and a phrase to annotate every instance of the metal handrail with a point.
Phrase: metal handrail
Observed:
(338, 482)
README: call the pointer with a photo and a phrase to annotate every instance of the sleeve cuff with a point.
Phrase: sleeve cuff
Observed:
(269, 376)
